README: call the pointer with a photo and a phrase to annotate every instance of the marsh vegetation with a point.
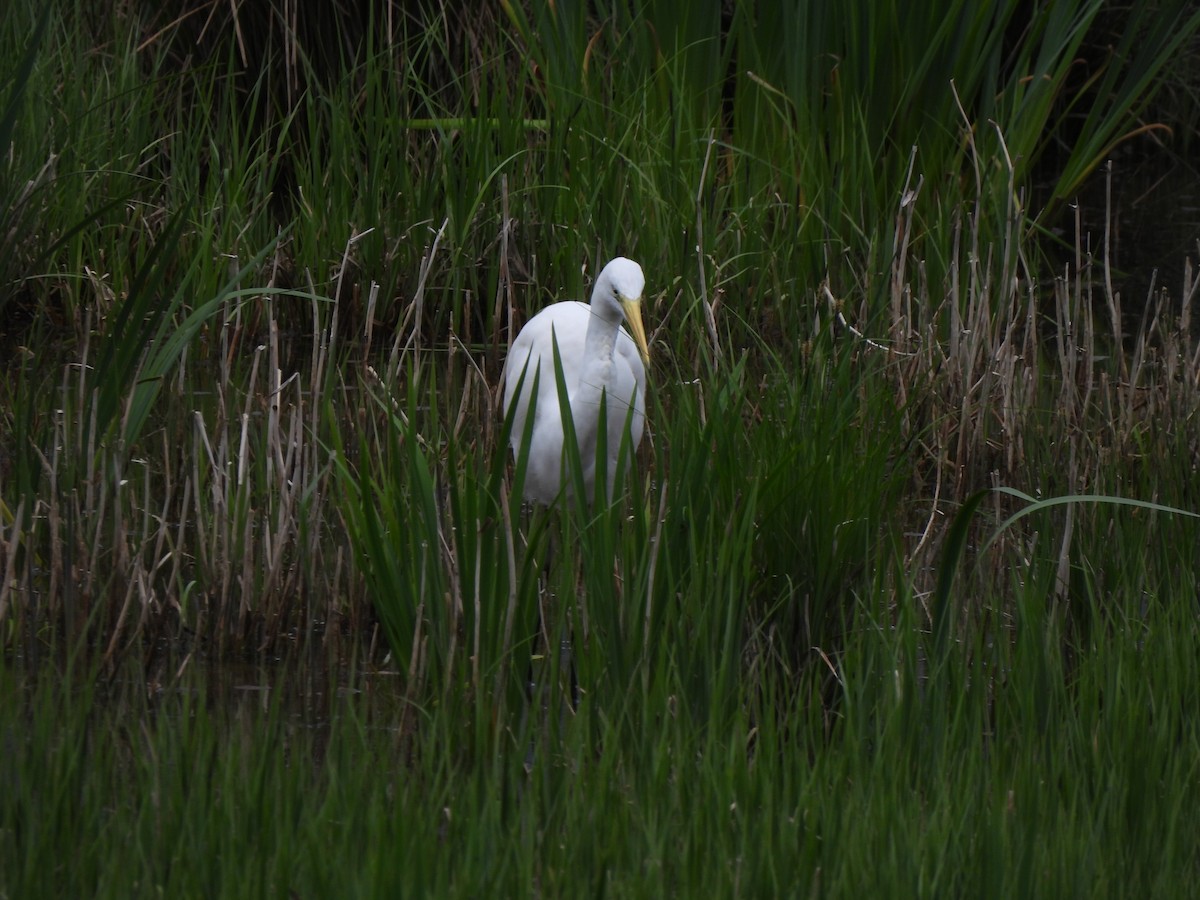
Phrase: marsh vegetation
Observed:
(268, 598)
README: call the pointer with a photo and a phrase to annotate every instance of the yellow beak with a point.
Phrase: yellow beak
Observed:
(633, 318)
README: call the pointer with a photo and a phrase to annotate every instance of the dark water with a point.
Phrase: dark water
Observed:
(1148, 208)
(306, 689)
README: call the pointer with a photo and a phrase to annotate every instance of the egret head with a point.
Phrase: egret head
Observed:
(625, 279)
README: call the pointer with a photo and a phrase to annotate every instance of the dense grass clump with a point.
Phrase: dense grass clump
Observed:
(1009, 770)
(898, 597)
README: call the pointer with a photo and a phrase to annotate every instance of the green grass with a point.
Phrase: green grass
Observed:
(1053, 778)
(257, 286)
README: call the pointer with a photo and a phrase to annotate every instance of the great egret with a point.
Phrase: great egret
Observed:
(599, 358)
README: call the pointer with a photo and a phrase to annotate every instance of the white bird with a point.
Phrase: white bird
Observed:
(598, 358)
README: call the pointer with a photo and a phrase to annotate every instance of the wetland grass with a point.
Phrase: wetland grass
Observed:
(255, 309)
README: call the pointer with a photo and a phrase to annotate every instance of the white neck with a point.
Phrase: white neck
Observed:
(596, 374)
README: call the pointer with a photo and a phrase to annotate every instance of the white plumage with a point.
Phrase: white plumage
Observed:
(598, 357)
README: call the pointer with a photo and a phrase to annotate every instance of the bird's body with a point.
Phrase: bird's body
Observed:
(599, 358)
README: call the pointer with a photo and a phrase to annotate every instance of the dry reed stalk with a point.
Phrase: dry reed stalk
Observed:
(56, 594)
(991, 367)
(415, 310)
(314, 471)
(504, 287)
(709, 306)
(453, 598)
(11, 550)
